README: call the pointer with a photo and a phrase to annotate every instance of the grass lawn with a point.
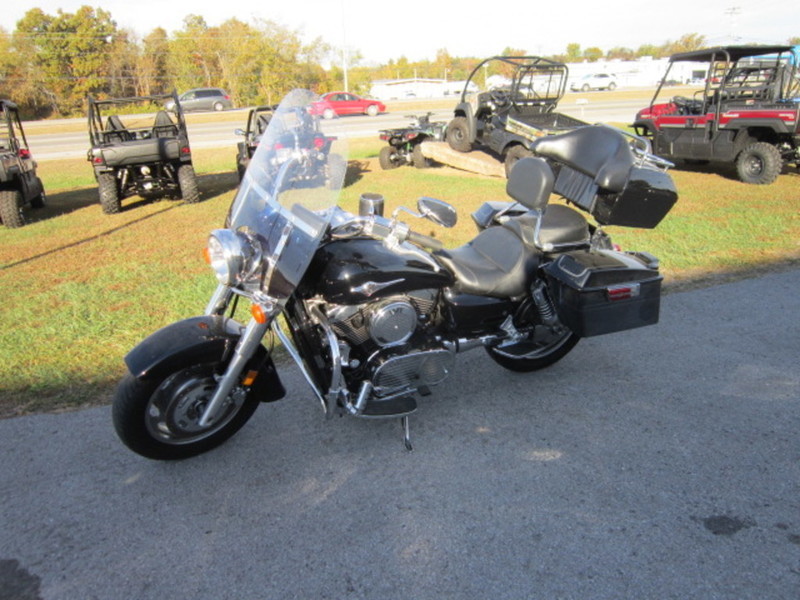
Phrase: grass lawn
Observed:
(80, 288)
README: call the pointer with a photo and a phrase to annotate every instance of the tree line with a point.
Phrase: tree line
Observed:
(50, 63)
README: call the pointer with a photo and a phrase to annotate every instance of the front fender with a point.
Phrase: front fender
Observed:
(195, 341)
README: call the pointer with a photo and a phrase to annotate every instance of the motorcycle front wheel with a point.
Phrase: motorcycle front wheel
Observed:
(541, 349)
(158, 418)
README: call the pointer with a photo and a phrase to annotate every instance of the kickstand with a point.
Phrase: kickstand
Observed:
(406, 433)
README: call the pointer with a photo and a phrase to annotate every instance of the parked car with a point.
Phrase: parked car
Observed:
(20, 186)
(345, 103)
(204, 99)
(596, 81)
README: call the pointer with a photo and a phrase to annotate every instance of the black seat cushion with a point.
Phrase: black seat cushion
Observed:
(600, 152)
(496, 263)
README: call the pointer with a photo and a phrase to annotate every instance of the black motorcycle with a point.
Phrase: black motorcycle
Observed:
(375, 313)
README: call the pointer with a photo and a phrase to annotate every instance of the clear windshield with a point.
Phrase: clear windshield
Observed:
(287, 194)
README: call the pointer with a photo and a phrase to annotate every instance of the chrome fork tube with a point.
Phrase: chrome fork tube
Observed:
(245, 349)
(219, 300)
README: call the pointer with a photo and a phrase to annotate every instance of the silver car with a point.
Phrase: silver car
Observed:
(205, 99)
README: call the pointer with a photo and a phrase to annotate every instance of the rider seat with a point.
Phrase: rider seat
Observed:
(501, 260)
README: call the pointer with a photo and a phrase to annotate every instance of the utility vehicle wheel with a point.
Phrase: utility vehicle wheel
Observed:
(513, 155)
(388, 158)
(336, 171)
(188, 184)
(759, 163)
(328, 113)
(542, 349)
(159, 418)
(40, 200)
(11, 208)
(372, 110)
(457, 134)
(109, 196)
(218, 106)
(418, 159)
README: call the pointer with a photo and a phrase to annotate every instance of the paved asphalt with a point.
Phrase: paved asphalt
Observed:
(657, 463)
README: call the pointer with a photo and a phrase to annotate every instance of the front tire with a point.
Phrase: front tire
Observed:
(542, 349)
(372, 110)
(457, 134)
(187, 180)
(759, 163)
(513, 155)
(158, 419)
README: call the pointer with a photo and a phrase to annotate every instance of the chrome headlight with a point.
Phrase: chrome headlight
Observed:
(233, 255)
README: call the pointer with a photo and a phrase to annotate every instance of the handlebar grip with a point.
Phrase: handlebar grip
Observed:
(424, 240)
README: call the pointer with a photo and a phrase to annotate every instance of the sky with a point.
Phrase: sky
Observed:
(417, 29)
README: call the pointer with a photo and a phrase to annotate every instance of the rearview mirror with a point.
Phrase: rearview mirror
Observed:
(438, 211)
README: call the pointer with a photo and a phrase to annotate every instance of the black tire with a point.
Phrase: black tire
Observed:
(11, 208)
(388, 158)
(158, 419)
(109, 195)
(457, 134)
(336, 171)
(542, 349)
(40, 199)
(612, 86)
(372, 110)
(218, 106)
(418, 159)
(759, 163)
(328, 113)
(585, 87)
(187, 181)
(513, 154)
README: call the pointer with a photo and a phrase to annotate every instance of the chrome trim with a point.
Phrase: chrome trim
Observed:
(370, 287)
(290, 348)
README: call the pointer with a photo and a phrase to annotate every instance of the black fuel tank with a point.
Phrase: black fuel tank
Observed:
(359, 270)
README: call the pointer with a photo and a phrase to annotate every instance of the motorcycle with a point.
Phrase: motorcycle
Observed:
(374, 313)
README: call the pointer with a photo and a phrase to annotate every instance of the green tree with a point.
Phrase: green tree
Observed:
(593, 54)
(68, 53)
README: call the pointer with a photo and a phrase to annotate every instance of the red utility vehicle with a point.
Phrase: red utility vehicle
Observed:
(747, 112)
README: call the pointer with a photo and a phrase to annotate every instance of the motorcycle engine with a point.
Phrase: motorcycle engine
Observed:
(390, 343)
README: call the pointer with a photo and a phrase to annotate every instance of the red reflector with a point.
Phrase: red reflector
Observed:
(98, 160)
(186, 150)
(411, 136)
(319, 142)
(622, 292)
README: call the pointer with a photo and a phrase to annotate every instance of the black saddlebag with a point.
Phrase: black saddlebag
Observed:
(604, 291)
(647, 197)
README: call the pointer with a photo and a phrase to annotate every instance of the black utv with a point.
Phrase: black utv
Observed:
(140, 147)
(19, 184)
(507, 103)
(257, 120)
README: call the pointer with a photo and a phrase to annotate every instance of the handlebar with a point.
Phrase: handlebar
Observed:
(424, 240)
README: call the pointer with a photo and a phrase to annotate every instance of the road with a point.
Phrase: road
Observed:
(660, 463)
(74, 144)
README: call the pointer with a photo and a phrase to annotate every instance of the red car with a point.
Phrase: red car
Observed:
(345, 103)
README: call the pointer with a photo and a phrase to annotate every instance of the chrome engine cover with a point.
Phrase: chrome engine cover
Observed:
(392, 323)
(427, 367)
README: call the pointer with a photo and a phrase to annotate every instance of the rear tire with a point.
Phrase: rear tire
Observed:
(457, 134)
(109, 195)
(11, 208)
(536, 352)
(759, 163)
(158, 419)
(388, 158)
(187, 180)
(419, 160)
